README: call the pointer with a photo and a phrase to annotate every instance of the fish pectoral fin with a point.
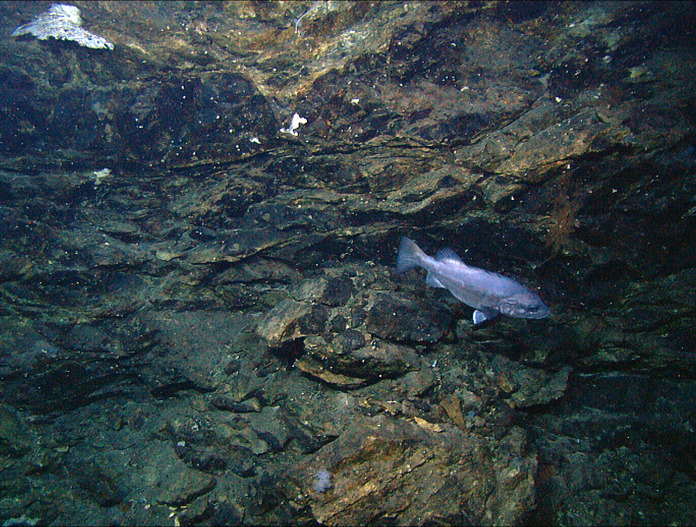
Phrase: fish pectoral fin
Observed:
(432, 281)
(481, 316)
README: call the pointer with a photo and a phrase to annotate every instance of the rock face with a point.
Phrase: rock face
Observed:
(410, 471)
(200, 320)
(349, 340)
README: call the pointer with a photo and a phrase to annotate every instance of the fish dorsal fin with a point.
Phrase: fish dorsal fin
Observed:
(448, 255)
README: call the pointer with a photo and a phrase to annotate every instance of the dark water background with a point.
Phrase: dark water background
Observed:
(200, 319)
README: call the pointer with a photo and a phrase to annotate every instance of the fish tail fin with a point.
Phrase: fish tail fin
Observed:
(410, 255)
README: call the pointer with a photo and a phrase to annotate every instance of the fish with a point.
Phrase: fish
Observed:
(490, 294)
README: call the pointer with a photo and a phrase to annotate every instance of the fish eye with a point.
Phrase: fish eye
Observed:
(533, 308)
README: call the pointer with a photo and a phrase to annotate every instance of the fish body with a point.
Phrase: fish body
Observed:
(490, 294)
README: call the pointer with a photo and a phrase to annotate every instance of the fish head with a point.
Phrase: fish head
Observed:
(524, 305)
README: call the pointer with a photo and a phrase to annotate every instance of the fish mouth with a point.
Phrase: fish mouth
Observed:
(542, 313)
(539, 312)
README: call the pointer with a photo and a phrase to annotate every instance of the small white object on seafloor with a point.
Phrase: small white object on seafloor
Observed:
(99, 175)
(62, 22)
(322, 481)
(294, 124)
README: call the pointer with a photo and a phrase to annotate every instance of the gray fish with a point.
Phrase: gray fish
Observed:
(488, 293)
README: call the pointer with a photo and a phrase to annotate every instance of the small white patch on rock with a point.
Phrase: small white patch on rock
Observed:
(294, 125)
(62, 22)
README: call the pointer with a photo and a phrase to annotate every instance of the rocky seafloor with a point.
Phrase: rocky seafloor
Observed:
(200, 318)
